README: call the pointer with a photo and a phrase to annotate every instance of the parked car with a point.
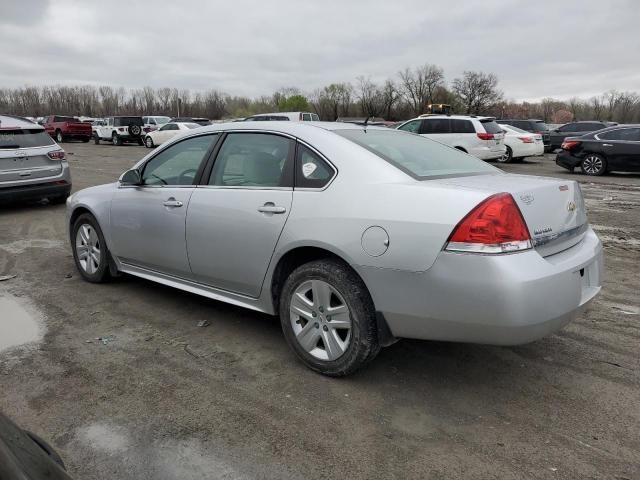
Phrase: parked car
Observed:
(354, 237)
(26, 456)
(200, 121)
(167, 132)
(615, 148)
(119, 130)
(99, 122)
(286, 116)
(32, 165)
(481, 137)
(532, 125)
(575, 129)
(66, 128)
(154, 122)
(520, 144)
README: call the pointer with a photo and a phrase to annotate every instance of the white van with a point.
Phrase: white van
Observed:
(481, 137)
(286, 116)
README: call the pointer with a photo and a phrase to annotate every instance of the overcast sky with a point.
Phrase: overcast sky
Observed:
(245, 47)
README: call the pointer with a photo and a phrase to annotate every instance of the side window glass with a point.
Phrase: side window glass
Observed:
(166, 127)
(568, 128)
(311, 170)
(461, 126)
(306, 117)
(412, 126)
(252, 160)
(435, 125)
(178, 164)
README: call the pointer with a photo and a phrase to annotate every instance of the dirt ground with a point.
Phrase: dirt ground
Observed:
(157, 397)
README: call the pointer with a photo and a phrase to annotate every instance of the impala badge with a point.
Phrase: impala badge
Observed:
(571, 206)
(527, 198)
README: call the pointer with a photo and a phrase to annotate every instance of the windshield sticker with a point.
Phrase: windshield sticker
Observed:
(308, 169)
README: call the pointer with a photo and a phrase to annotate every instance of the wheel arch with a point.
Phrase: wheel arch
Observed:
(301, 254)
(73, 216)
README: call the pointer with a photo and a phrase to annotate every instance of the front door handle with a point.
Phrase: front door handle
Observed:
(172, 202)
(270, 207)
(607, 145)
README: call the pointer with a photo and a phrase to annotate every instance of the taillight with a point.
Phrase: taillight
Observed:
(526, 139)
(121, 129)
(569, 144)
(496, 225)
(56, 155)
(486, 136)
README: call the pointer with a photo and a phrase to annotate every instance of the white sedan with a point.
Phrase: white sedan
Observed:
(167, 132)
(520, 144)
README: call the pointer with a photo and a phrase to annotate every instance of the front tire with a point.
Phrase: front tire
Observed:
(328, 318)
(96, 139)
(90, 250)
(507, 157)
(59, 136)
(593, 164)
(148, 142)
(116, 140)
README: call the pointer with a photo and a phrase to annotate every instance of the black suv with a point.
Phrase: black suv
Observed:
(575, 129)
(119, 130)
(534, 126)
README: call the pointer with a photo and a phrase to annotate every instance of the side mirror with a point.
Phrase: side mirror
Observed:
(131, 177)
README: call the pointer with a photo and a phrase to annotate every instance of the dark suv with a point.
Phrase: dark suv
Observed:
(534, 126)
(119, 130)
(575, 129)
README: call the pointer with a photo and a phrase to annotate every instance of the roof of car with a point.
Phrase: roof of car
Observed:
(457, 117)
(287, 127)
(519, 120)
(13, 121)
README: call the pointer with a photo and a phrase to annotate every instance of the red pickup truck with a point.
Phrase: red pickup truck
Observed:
(65, 128)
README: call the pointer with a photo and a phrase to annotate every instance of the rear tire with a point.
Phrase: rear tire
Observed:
(116, 140)
(90, 251)
(507, 157)
(59, 136)
(593, 164)
(342, 299)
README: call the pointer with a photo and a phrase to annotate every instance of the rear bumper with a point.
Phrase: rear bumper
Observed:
(34, 192)
(486, 153)
(498, 300)
(564, 159)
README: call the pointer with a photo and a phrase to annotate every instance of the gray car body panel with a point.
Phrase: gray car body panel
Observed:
(421, 290)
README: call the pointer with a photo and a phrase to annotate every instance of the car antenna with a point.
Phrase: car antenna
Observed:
(366, 121)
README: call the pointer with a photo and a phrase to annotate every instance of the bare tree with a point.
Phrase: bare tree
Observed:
(477, 90)
(612, 98)
(370, 96)
(627, 103)
(419, 85)
(597, 106)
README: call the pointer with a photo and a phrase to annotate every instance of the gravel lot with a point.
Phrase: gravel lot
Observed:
(161, 398)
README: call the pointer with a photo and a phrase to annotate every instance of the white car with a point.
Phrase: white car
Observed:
(167, 132)
(154, 122)
(520, 144)
(286, 116)
(481, 137)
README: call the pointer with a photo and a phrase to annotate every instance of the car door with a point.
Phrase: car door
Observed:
(622, 148)
(439, 129)
(558, 135)
(148, 220)
(104, 131)
(168, 131)
(236, 215)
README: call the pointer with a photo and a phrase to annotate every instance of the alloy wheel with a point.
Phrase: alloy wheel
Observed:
(88, 248)
(592, 164)
(320, 320)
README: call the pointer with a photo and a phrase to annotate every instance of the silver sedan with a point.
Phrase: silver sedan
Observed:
(354, 236)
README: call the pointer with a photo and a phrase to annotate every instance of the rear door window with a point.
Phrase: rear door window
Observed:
(435, 125)
(462, 126)
(311, 170)
(24, 138)
(623, 134)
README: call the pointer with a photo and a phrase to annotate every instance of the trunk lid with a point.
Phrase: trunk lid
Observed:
(27, 164)
(553, 209)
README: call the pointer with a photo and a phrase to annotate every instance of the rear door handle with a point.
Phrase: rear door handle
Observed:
(271, 208)
(172, 202)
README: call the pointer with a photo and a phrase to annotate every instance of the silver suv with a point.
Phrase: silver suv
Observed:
(32, 165)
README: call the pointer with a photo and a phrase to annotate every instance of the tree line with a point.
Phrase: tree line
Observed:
(401, 97)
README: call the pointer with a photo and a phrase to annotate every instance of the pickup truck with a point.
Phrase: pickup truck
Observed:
(66, 128)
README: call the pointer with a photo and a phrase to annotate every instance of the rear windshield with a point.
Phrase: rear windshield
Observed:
(124, 121)
(24, 138)
(540, 126)
(192, 125)
(415, 155)
(59, 118)
(491, 126)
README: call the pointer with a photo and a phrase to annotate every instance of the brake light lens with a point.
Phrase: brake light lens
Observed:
(569, 144)
(56, 155)
(121, 129)
(486, 136)
(526, 139)
(495, 226)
